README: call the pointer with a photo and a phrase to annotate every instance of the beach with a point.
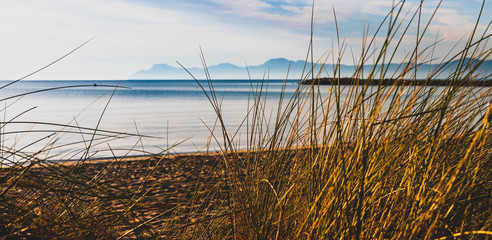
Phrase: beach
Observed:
(160, 191)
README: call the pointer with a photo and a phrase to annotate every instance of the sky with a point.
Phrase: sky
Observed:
(132, 35)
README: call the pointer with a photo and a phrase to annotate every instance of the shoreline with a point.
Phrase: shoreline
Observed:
(135, 158)
(205, 154)
(392, 81)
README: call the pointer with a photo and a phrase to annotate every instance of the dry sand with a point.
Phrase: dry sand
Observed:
(168, 191)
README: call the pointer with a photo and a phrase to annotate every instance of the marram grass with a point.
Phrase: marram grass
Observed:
(345, 162)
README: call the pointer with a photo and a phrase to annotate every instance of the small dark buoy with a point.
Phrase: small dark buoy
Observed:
(95, 85)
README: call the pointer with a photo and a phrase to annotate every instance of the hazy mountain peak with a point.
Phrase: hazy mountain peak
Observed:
(275, 68)
(225, 65)
(160, 67)
(277, 60)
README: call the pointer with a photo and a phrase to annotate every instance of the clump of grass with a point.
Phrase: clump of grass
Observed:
(158, 196)
(363, 161)
(369, 162)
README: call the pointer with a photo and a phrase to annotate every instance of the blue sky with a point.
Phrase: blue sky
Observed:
(135, 34)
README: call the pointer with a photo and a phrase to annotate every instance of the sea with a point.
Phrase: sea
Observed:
(72, 120)
(58, 120)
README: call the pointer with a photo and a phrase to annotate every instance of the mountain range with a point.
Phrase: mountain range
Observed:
(279, 67)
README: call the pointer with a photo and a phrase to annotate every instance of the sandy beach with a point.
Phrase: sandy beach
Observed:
(167, 191)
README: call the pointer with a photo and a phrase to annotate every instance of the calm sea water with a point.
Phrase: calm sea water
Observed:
(167, 112)
(142, 117)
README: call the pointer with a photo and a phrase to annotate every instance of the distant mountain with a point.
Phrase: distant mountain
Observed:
(279, 67)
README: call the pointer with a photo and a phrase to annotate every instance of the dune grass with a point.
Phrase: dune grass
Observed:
(344, 162)
(370, 162)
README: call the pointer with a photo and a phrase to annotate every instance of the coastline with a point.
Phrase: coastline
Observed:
(391, 82)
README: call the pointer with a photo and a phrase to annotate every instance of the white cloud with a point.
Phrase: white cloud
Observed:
(452, 25)
(298, 13)
(129, 37)
(133, 36)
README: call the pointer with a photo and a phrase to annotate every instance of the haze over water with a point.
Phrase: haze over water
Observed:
(170, 111)
(143, 116)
